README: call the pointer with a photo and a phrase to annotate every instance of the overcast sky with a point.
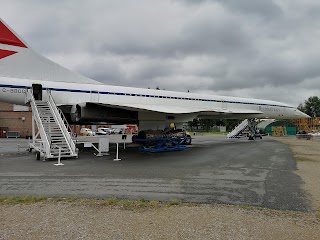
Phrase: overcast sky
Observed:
(247, 48)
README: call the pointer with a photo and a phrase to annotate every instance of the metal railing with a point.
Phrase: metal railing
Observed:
(44, 144)
(61, 120)
(237, 130)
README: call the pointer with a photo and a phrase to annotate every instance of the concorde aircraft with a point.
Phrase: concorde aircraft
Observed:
(86, 100)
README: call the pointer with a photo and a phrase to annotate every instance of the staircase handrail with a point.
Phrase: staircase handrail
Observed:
(61, 122)
(64, 119)
(238, 129)
(40, 126)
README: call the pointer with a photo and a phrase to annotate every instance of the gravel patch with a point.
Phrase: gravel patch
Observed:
(306, 153)
(62, 220)
(81, 220)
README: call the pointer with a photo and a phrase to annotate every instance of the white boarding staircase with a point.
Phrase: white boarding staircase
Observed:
(50, 136)
(238, 129)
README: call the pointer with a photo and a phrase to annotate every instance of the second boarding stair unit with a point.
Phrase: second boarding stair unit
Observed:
(247, 124)
(50, 136)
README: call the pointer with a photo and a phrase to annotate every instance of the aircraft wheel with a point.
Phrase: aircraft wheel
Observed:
(38, 156)
(188, 141)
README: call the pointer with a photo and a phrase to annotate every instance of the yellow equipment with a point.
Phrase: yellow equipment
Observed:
(279, 131)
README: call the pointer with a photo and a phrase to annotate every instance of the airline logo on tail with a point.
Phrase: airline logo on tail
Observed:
(7, 37)
(6, 53)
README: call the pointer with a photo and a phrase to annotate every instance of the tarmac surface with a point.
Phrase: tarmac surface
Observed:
(213, 170)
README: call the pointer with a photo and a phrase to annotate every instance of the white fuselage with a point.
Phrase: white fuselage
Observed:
(65, 93)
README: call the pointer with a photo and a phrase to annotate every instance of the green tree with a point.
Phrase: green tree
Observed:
(231, 123)
(311, 106)
(207, 124)
(193, 123)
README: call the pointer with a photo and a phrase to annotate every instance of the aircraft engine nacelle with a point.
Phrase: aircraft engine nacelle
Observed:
(148, 134)
(94, 113)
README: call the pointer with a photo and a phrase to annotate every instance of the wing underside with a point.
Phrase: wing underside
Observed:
(181, 110)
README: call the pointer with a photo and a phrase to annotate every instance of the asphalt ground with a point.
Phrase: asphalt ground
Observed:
(213, 170)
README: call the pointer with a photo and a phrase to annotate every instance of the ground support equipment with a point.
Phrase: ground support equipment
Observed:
(155, 145)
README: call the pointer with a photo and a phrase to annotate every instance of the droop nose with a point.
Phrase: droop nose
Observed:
(300, 114)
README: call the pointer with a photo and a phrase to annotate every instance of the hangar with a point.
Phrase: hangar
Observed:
(277, 128)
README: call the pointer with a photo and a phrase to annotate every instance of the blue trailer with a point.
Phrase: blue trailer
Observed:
(165, 144)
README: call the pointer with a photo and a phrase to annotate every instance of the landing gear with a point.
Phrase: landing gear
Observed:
(187, 140)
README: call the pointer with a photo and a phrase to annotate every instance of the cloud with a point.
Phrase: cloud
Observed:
(247, 48)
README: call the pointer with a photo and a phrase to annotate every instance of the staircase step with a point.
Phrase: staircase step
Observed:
(67, 155)
(55, 150)
(53, 130)
(66, 151)
(63, 146)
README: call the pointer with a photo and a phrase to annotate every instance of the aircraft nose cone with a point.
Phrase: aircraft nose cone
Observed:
(303, 115)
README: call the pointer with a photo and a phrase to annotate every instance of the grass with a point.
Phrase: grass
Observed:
(173, 203)
(22, 200)
(135, 204)
(318, 214)
(123, 203)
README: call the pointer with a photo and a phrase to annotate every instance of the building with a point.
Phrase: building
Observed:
(15, 118)
(277, 128)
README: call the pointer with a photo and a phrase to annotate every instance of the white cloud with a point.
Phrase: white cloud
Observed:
(247, 48)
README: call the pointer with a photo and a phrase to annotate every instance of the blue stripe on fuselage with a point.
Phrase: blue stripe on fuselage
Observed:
(142, 95)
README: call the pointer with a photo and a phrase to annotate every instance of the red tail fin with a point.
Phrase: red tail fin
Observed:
(18, 60)
(8, 37)
(6, 53)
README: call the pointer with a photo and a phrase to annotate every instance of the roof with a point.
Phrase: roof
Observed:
(274, 123)
(265, 123)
